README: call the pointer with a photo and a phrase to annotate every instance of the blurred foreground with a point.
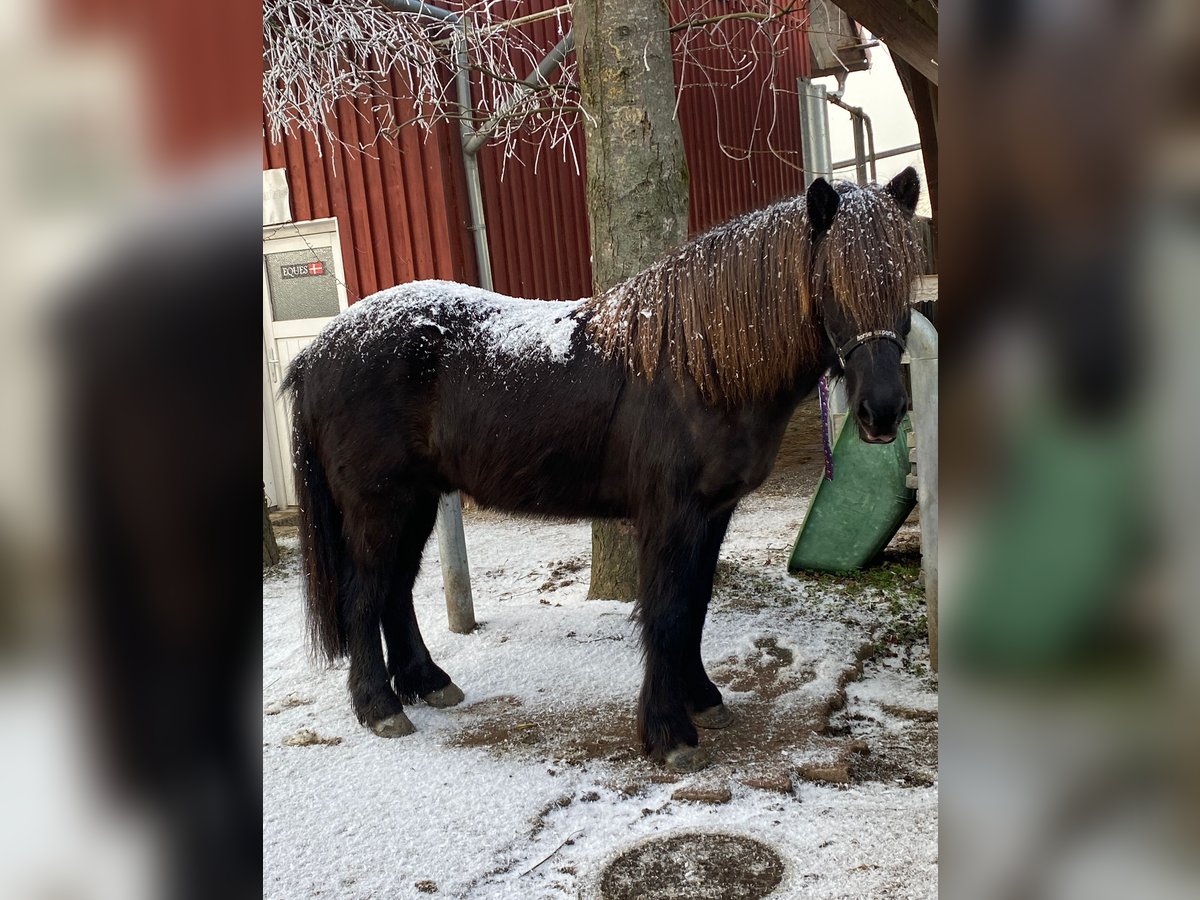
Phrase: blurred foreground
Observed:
(128, 620)
(1069, 259)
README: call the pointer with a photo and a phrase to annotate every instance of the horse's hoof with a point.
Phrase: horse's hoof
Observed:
(450, 695)
(393, 726)
(685, 759)
(717, 716)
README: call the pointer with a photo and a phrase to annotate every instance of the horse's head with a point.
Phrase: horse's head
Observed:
(865, 254)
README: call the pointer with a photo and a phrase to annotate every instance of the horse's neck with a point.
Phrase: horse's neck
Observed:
(803, 384)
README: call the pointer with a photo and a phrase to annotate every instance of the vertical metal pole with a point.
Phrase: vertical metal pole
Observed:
(923, 351)
(814, 131)
(860, 150)
(456, 575)
(452, 541)
(866, 120)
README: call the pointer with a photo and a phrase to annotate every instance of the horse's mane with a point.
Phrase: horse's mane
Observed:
(733, 309)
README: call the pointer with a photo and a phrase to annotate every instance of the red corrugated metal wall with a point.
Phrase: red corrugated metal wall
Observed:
(402, 208)
(742, 140)
(742, 143)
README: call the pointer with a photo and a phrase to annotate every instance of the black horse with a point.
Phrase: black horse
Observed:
(663, 401)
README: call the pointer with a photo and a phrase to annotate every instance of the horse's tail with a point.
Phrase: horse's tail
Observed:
(321, 544)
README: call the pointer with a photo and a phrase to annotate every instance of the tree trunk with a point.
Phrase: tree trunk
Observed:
(270, 548)
(637, 186)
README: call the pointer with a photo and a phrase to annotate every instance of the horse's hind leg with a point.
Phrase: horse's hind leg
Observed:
(365, 586)
(413, 671)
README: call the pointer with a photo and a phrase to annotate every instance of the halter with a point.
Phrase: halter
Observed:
(879, 334)
(843, 352)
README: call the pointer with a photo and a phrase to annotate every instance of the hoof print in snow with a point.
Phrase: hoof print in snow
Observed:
(712, 794)
(768, 671)
(306, 737)
(291, 701)
(774, 782)
(834, 773)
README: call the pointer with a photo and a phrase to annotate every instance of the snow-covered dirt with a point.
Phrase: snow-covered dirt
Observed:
(533, 785)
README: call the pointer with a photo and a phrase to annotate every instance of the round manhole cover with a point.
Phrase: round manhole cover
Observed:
(693, 866)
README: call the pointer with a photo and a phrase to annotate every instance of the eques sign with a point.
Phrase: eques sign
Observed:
(303, 270)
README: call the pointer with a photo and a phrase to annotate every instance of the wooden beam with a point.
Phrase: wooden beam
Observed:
(923, 97)
(908, 27)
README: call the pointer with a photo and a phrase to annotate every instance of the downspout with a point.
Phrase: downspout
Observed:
(470, 158)
(814, 131)
(473, 139)
(462, 79)
(538, 77)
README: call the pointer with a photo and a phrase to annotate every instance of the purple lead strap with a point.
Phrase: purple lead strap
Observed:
(826, 430)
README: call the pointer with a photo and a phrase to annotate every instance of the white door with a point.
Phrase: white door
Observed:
(303, 288)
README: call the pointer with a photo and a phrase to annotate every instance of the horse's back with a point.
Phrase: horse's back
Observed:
(531, 437)
(453, 387)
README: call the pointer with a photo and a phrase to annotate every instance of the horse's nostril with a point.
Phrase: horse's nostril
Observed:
(865, 414)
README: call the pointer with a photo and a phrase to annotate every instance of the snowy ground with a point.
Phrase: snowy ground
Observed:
(531, 786)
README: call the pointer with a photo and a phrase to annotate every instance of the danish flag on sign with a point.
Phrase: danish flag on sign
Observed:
(316, 268)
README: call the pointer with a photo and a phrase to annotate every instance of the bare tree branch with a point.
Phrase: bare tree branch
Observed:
(397, 69)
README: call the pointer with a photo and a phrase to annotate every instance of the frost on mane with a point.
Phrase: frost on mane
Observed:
(507, 328)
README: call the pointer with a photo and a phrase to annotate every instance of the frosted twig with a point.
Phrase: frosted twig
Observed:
(566, 840)
(397, 70)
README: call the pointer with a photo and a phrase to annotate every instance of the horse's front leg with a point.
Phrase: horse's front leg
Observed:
(704, 700)
(675, 568)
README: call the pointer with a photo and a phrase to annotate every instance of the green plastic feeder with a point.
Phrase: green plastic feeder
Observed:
(852, 518)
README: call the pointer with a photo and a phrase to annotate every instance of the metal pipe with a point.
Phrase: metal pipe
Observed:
(474, 139)
(814, 131)
(538, 77)
(462, 79)
(421, 9)
(871, 158)
(862, 120)
(922, 344)
(478, 227)
(456, 572)
(895, 151)
(860, 151)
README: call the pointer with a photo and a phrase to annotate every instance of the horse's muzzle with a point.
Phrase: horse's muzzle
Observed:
(879, 420)
(869, 438)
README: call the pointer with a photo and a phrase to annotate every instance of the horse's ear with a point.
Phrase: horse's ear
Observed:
(823, 203)
(905, 189)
